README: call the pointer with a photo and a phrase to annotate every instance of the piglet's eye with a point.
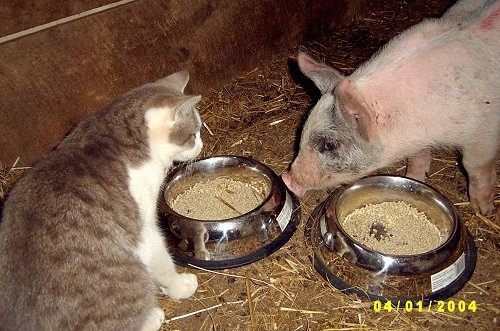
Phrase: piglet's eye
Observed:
(326, 145)
(330, 146)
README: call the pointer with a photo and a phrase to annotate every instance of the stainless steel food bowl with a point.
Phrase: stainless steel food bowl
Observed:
(231, 242)
(352, 267)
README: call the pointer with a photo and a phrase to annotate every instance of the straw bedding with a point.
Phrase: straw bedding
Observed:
(259, 115)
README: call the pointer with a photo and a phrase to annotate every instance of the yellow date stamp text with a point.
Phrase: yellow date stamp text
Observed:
(439, 306)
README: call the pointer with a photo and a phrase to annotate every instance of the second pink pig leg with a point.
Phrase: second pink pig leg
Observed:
(480, 166)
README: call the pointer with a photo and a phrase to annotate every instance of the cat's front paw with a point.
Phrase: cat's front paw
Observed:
(184, 287)
(154, 320)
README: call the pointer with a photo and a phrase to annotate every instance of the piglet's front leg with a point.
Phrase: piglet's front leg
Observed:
(418, 166)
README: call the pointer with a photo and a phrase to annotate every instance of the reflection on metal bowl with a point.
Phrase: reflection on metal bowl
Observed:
(235, 241)
(353, 267)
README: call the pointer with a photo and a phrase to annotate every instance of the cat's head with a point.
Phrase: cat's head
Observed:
(173, 122)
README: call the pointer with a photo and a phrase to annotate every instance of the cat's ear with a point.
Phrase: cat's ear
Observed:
(185, 105)
(171, 107)
(177, 81)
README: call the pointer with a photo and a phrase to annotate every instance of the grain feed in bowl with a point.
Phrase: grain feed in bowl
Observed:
(393, 227)
(220, 198)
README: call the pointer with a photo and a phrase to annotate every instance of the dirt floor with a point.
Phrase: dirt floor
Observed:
(259, 115)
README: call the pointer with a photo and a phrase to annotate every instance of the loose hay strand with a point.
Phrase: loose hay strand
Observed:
(250, 303)
(495, 226)
(478, 287)
(302, 311)
(193, 313)
(9, 176)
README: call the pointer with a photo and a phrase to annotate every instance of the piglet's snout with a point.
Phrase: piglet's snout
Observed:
(292, 184)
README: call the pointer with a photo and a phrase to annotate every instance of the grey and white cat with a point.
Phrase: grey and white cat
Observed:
(80, 248)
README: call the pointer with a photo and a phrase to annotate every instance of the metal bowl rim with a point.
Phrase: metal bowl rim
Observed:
(268, 172)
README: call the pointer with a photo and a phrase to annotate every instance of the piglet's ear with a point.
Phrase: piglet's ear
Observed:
(177, 81)
(354, 106)
(323, 76)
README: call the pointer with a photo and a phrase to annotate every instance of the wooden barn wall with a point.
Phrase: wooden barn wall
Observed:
(51, 79)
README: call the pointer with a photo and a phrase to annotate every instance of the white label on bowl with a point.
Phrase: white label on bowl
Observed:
(285, 214)
(447, 276)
